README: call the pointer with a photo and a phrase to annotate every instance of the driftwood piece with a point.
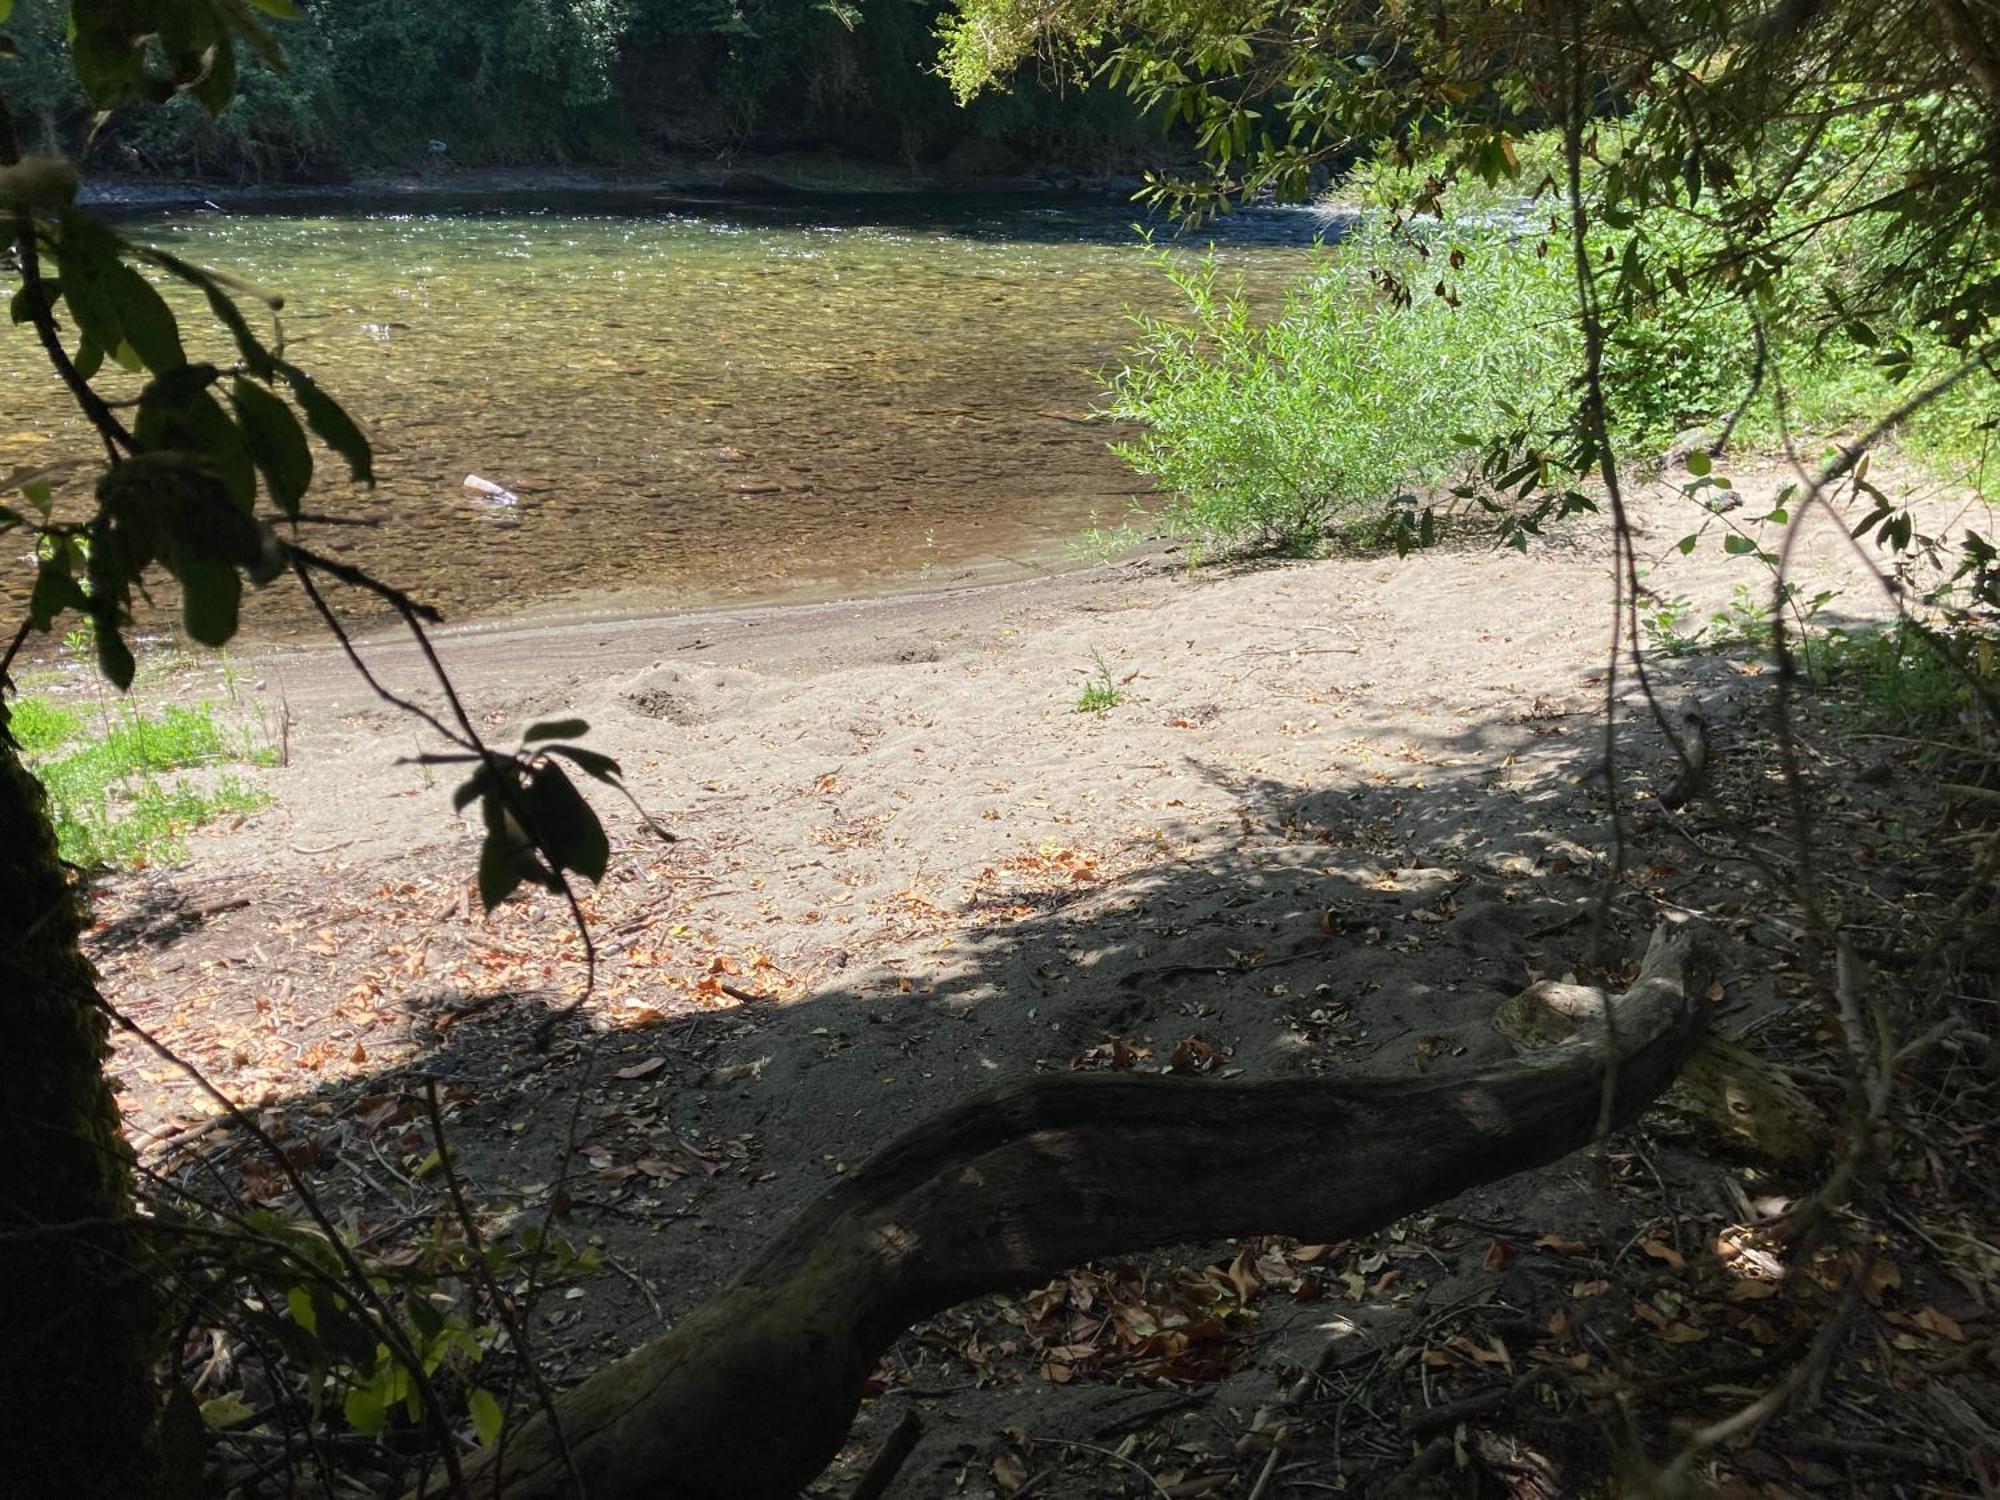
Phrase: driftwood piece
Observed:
(1695, 752)
(1740, 1101)
(753, 1391)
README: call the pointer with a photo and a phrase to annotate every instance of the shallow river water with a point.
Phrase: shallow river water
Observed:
(694, 405)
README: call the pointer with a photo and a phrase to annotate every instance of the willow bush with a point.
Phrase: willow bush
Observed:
(1310, 427)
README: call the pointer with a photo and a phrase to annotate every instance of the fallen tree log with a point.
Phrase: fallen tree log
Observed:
(753, 1391)
(1743, 1104)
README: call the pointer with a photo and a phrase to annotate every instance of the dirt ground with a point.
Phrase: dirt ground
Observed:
(1340, 810)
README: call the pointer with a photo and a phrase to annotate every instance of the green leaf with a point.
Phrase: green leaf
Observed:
(487, 1418)
(183, 1447)
(1738, 546)
(249, 30)
(1699, 463)
(555, 729)
(171, 503)
(114, 657)
(299, 1300)
(216, 84)
(273, 558)
(6, 10)
(146, 319)
(497, 873)
(55, 591)
(590, 762)
(211, 596)
(256, 358)
(365, 1409)
(429, 1321)
(104, 53)
(88, 253)
(335, 427)
(176, 412)
(567, 826)
(344, 1335)
(1874, 518)
(276, 443)
(1687, 544)
(31, 300)
(225, 1411)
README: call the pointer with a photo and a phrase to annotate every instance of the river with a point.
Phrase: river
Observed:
(690, 404)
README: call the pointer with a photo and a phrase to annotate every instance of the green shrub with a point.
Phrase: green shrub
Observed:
(1682, 365)
(1912, 681)
(1400, 178)
(1682, 350)
(1283, 434)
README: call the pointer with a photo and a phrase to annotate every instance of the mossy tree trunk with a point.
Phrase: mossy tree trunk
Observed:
(77, 1314)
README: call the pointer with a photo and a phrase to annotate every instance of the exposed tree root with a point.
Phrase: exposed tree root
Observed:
(753, 1392)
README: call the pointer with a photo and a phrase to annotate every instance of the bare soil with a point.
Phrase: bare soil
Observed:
(1340, 811)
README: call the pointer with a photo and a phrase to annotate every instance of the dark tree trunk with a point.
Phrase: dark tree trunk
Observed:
(754, 1390)
(77, 1329)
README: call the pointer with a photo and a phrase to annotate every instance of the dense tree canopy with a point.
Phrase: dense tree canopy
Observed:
(1737, 120)
(398, 83)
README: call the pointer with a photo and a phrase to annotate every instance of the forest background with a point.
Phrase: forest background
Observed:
(390, 85)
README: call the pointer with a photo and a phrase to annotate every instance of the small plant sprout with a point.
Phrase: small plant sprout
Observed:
(1101, 693)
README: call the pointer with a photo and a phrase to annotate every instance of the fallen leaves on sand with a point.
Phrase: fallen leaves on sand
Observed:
(1056, 862)
(1194, 1054)
(1109, 1057)
(1180, 1329)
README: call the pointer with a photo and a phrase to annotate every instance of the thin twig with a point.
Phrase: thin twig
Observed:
(1117, 1458)
(1807, 1372)
(484, 1279)
(361, 1286)
(896, 1450)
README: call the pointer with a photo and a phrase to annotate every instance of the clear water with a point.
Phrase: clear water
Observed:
(698, 405)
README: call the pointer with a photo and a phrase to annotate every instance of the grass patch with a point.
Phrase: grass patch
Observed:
(111, 797)
(1909, 681)
(40, 724)
(1101, 693)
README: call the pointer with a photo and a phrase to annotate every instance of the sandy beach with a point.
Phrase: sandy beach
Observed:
(1339, 810)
